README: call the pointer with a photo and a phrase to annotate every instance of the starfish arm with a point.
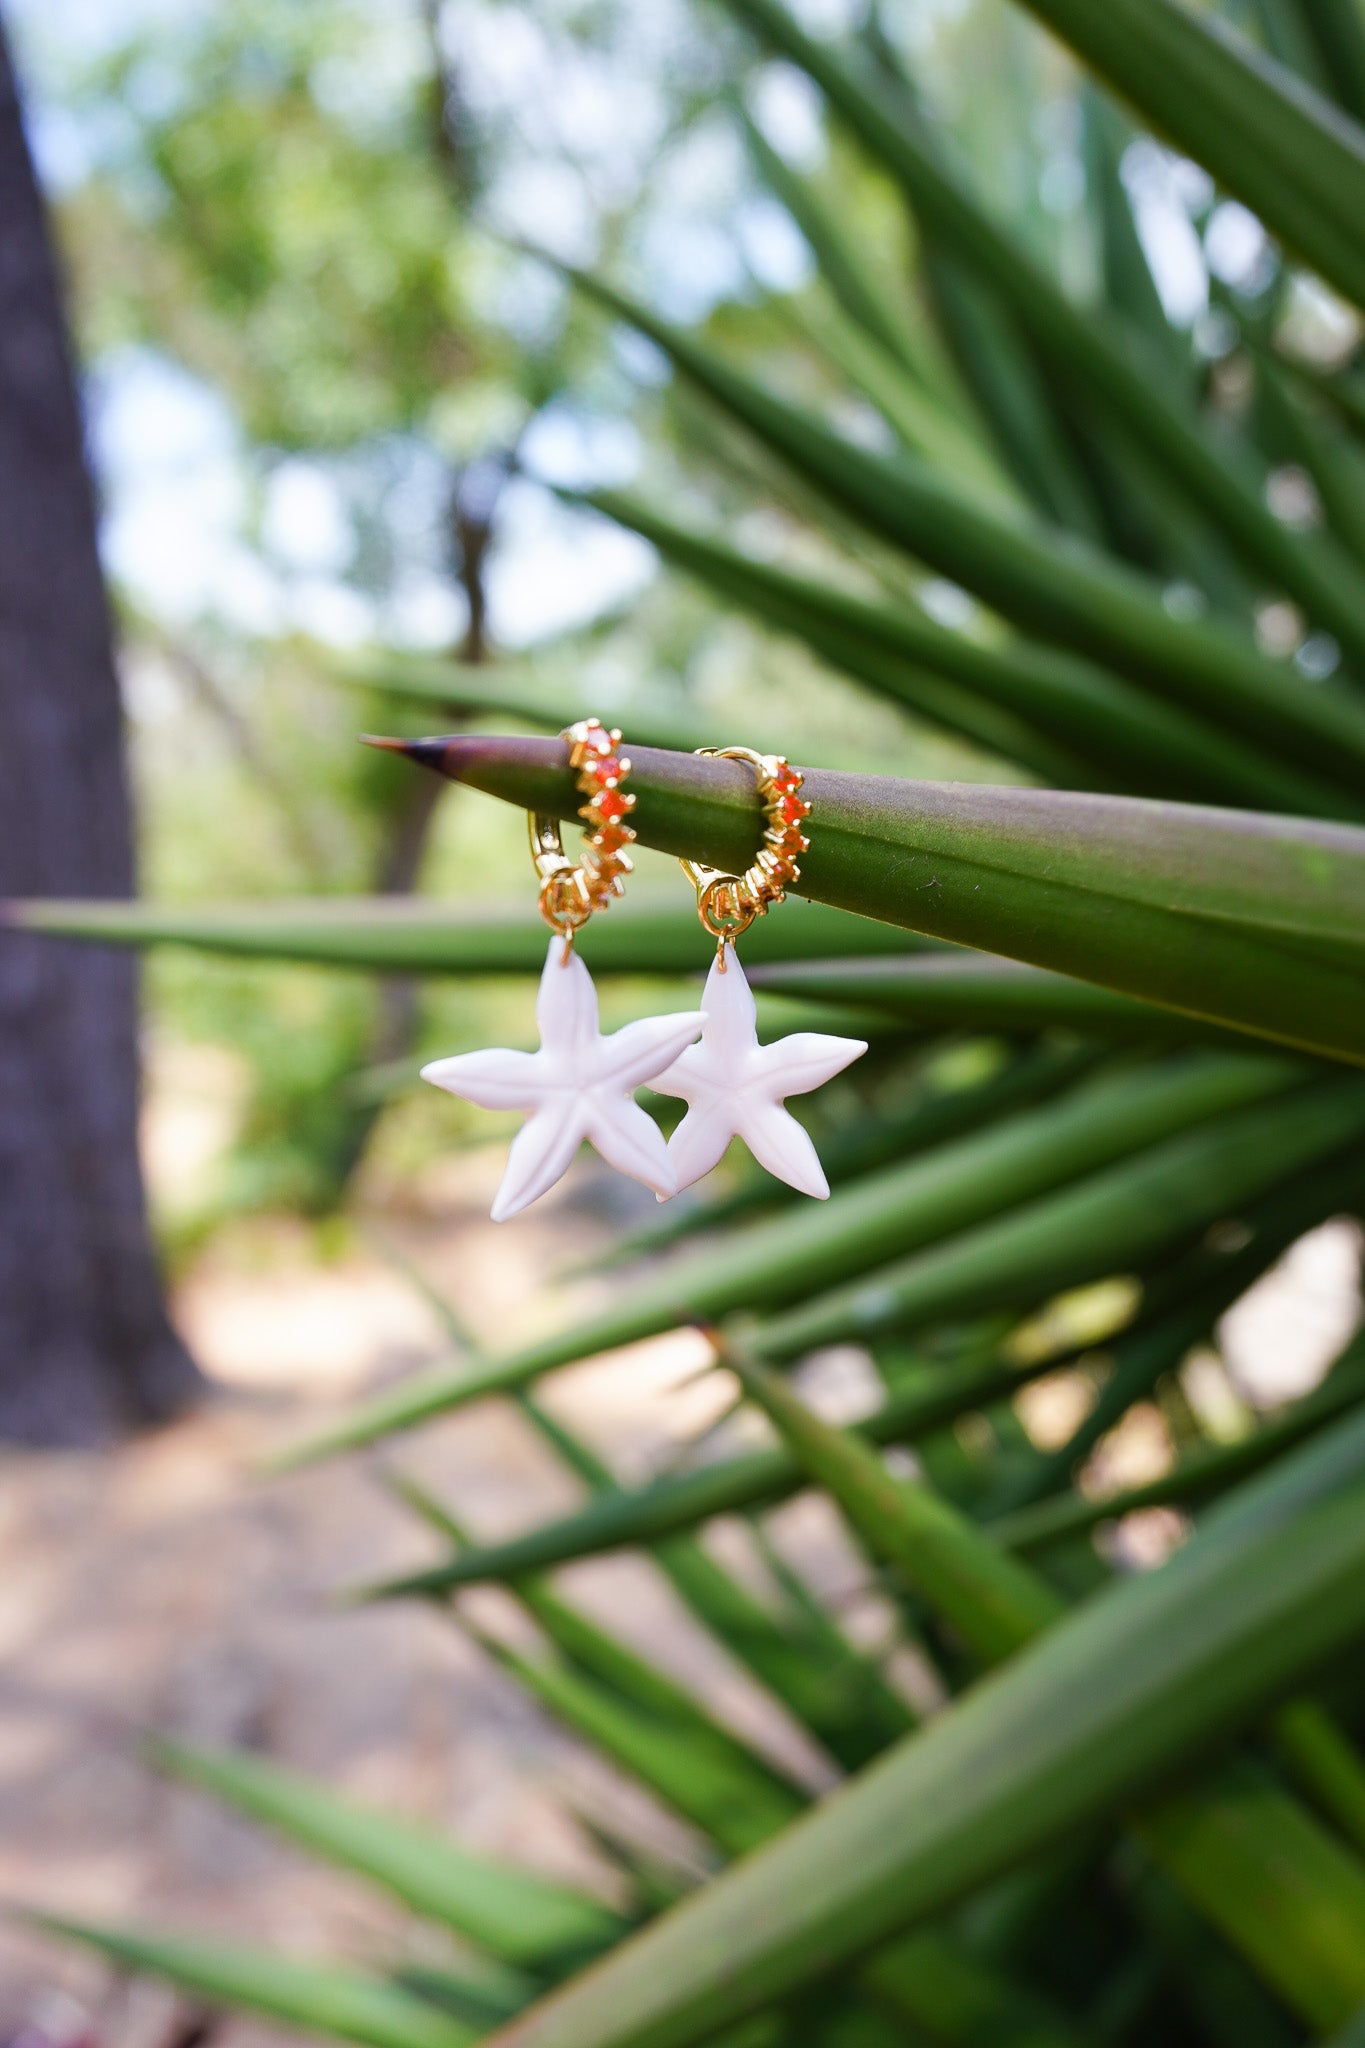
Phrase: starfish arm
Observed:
(728, 999)
(687, 1076)
(808, 1059)
(641, 1052)
(700, 1142)
(779, 1143)
(566, 1003)
(541, 1153)
(632, 1142)
(491, 1080)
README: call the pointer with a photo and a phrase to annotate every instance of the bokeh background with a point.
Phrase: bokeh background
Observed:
(333, 405)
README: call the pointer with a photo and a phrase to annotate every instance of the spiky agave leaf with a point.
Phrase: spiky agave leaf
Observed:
(1295, 159)
(417, 935)
(1231, 916)
(1138, 1679)
(510, 1913)
(319, 1998)
(1078, 343)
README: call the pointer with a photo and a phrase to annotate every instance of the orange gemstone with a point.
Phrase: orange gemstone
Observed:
(785, 778)
(603, 771)
(597, 740)
(611, 804)
(791, 810)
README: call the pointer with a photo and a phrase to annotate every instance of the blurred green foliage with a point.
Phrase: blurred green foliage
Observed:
(299, 210)
(895, 302)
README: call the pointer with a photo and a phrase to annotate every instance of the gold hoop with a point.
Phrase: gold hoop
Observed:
(569, 894)
(728, 904)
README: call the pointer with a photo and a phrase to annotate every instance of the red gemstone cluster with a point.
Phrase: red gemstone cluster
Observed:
(595, 757)
(728, 904)
(783, 838)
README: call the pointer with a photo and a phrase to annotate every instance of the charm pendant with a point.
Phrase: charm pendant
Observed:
(579, 1085)
(734, 1087)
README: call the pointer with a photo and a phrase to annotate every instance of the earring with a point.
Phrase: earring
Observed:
(579, 1085)
(733, 1086)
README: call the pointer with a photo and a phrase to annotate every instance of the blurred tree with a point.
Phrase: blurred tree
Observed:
(291, 207)
(306, 254)
(306, 219)
(85, 1345)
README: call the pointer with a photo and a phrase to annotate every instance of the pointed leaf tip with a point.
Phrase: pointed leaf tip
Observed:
(431, 753)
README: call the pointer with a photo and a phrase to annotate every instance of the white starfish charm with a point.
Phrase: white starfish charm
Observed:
(579, 1085)
(734, 1087)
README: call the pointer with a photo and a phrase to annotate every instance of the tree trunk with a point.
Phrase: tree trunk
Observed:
(474, 501)
(86, 1349)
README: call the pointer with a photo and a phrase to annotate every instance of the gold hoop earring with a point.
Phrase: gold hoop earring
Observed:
(570, 892)
(728, 904)
(579, 1085)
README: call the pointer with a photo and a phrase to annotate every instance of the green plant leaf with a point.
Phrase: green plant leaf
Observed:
(798, 1653)
(1056, 590)
(1339, 35)
(1129, 285)
(1114, 1221)
(683, 1500)
(997, 1603)
(702, 1780)
(1258, 1866)
(319, 1998)
(680, 1501)
(867, 338)
(511, 1913)
(1244, 920)
(468, 689)
(802, 1656)
(1100, 1709)
(1201, 1474)
(468, 1999)
(951, 1995)
(1181, 1304)
(916, 416)
(982, 993)
(648, 1726)
(1003, 721)
(1290, 1897)
(995, 364)
(1224, 2001)
(1335, 465)
(633, 1710)
(1136, 741)
(416, 935)
(1295, 159)
(685, 1759)
(1324, 1763)
(1080, 343)
(852, 280)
